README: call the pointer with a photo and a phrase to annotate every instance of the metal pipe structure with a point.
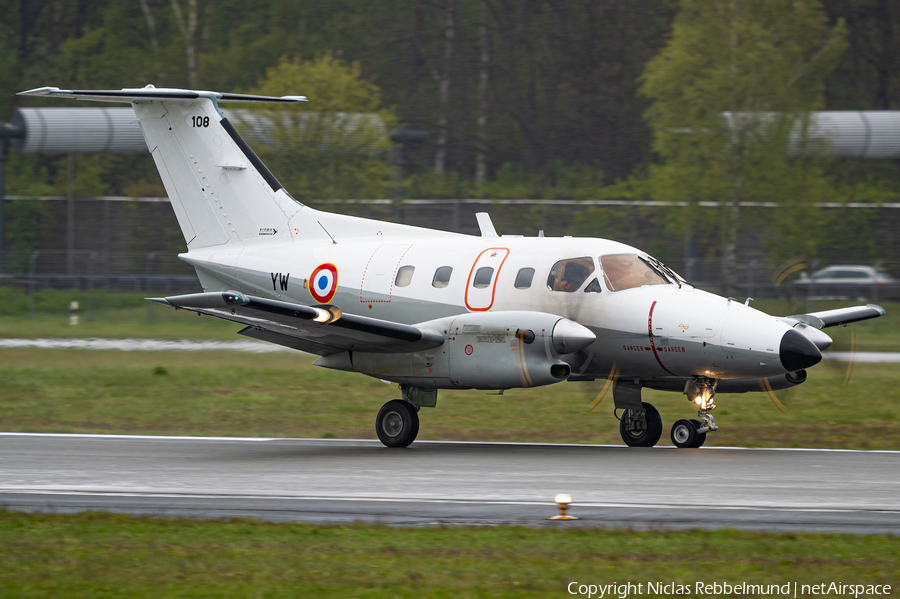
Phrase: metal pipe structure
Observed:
(873, 134)
(116, 130)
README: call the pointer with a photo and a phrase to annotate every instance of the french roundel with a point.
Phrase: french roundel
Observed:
(323, 282)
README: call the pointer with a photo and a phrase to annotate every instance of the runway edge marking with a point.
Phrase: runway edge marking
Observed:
(428, 442)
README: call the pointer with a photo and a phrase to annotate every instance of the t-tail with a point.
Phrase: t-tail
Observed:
(220, 190)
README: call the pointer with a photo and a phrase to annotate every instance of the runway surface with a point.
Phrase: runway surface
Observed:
(334, 481)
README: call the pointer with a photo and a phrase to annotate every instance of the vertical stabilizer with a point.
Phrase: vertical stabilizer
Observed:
(220, 190)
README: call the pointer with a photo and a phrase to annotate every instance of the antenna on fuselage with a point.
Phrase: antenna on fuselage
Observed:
(326, 232)
(485, 224)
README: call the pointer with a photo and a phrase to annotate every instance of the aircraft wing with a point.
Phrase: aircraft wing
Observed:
(832, 318)
(321, 330)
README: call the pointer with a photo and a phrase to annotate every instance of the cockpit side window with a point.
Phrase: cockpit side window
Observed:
(568, 275)
(627, 271)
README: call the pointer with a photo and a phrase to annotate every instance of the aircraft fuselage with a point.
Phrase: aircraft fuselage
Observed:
(656, 331)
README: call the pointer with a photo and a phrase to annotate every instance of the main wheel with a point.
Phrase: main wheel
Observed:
(397, 423)
(701, 437)
(684, 434)
(648, 434)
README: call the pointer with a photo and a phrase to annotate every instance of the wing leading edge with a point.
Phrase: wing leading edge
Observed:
(321, 330)
(833, 318)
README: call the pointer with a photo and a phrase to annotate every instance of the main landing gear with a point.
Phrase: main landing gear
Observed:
(643, 428)
(397, 423)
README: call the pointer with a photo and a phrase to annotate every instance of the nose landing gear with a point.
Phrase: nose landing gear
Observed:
(692, 433)
(684, 434)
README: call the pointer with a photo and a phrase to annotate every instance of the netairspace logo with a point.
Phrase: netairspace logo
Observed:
(789, 589)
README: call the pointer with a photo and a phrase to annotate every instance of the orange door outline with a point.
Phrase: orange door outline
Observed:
(493, 281)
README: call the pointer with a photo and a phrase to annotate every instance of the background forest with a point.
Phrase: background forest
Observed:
(582, 99)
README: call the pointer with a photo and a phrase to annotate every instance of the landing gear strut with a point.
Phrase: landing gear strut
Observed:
(641, 428)
(692, 433)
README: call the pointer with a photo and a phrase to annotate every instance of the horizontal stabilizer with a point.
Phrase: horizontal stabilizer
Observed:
(321, 330)
(833, 318)
(150, 92)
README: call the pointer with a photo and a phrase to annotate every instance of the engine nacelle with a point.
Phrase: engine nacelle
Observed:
(481, 350)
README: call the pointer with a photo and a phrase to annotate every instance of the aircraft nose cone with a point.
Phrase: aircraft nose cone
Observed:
(797, 352)
(569, 336)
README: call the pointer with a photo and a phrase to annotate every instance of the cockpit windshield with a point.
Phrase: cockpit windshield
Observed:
(627, 271)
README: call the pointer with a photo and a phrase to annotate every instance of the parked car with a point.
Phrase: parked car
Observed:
(850, 280)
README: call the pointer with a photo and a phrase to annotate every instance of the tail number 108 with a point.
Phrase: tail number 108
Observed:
(200, 121)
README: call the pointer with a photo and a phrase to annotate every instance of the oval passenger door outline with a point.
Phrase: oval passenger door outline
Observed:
(481, 300)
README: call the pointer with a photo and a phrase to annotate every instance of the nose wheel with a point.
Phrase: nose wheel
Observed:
(397, 423)
(684, 434)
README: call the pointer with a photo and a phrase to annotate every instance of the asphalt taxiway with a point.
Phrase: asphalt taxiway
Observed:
(335, 481)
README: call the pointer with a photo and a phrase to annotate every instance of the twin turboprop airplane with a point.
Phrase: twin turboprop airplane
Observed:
(435, 310)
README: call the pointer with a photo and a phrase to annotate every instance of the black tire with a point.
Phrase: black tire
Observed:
(684, 434)
(397, 423)
(701, 437)
(650, 435)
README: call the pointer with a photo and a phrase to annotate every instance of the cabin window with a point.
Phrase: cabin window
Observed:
(627, 271)
(568, 275)
(593, 286)
(524, 278)
(483, 277)
(442, 277)
(404, 276)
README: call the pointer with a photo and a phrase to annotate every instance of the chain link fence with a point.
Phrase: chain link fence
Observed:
(124, 244)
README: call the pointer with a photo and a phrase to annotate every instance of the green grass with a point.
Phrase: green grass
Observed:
(115, 316)
(103, 555)
(283, 395)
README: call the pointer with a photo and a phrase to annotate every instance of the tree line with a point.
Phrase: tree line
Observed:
(525, 98)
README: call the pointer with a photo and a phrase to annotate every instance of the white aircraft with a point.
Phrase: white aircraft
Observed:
(435, 310)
